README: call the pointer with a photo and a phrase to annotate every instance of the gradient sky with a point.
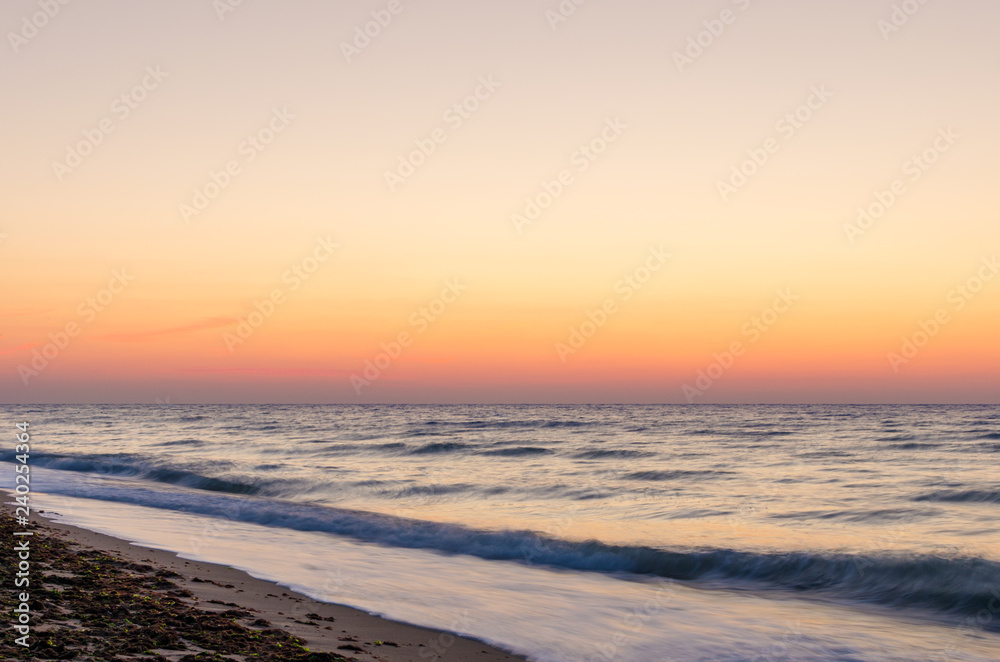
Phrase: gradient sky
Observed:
(168, 335)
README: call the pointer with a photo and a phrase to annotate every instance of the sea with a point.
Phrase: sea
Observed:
(570, 533)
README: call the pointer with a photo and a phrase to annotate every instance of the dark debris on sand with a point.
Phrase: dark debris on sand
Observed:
(88, 605)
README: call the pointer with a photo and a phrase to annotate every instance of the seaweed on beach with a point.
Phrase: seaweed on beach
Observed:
(89, 605)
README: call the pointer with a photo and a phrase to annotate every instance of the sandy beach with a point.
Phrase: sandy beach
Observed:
(95, 597)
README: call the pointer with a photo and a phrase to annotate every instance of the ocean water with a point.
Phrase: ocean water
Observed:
(630, 533)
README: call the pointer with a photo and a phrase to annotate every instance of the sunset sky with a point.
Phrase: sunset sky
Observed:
(257, 202)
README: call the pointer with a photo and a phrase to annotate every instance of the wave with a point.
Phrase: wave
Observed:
(440, 447)
(824, 453)
(957, 586)
(113, 465)
(183, 442)
(854, 515)
(914, 445)
(518, 451)
(428, 490)
(341, 447)
(602, 454)
(674, 475)
(748, 434)
(507, 424)
(978, 448)
(897, 437)
(961, 496)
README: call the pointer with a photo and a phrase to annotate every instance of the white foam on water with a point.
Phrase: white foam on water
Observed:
(551, 616)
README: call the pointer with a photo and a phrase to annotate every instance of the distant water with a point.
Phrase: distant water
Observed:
(632, 533)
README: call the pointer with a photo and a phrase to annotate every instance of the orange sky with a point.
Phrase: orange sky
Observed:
(486, 203)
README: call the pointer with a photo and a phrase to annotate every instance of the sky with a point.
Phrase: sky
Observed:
(521, 201)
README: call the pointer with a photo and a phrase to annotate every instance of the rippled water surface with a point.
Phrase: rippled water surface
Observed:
(883, 513)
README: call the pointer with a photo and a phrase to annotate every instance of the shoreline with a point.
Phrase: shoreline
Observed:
(211, 589)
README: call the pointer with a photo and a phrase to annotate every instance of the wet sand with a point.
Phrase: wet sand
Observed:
(103, 596)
